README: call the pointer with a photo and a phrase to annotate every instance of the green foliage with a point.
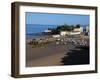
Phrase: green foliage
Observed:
(65, 27)
(77, 26)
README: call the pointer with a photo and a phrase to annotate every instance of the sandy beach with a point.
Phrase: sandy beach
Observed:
(48, 55)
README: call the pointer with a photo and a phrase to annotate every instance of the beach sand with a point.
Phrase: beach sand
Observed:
(48, 55)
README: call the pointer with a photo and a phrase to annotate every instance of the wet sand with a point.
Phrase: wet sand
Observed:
(48, 55)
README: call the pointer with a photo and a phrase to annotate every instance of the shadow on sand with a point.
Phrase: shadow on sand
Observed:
(80, 55)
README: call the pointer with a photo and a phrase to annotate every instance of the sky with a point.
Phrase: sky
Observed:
(56, 19)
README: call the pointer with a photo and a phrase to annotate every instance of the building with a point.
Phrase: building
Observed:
(76, 30)
(87, 28)
(64, 33)
(79, 29)
(56, 36)
(75, 33)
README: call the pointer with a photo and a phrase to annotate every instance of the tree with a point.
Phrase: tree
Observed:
(77, 26)
(65, 27)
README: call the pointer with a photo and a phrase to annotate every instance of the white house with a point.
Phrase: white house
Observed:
(56, 36)
(75, 33)
(77, 29)
(63, 33)
(81, 29)
(87, 28)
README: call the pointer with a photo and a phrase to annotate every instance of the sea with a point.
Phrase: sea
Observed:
(35, 31)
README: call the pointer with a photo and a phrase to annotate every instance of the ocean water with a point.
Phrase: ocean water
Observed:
(32, 31)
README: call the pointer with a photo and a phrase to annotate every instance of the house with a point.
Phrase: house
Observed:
(81, 29)
(56, 36)
(75, 33)
(64, 33)
(77, 29)
(87, 28)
